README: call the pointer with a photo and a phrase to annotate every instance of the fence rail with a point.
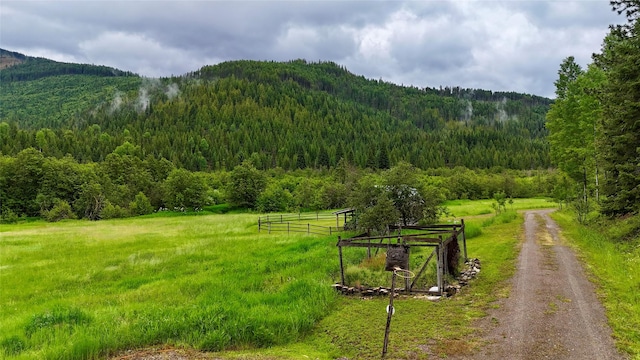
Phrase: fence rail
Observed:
(295, 217)
(291, 223)
(290, 227)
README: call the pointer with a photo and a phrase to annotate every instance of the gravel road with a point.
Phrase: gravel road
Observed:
(552, 310)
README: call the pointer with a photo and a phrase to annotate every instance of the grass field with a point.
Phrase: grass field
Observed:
(614, 264)
(85, 290)
(465, 208)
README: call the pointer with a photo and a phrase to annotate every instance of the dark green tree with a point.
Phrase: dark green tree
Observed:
(185, 190)
(245, 185)
(620, 138)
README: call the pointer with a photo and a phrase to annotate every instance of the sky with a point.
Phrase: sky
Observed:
(515, 45)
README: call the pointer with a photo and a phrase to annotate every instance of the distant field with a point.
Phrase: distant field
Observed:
(462, 208)
(79, 289)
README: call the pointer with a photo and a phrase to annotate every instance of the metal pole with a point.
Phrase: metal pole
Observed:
(389, 314)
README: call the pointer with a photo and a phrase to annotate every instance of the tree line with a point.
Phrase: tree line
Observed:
(129, 183)
(594, 126)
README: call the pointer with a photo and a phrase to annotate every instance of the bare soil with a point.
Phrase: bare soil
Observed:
(552, 310)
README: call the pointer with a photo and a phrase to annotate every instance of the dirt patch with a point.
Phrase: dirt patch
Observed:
(163, 354)
(552, 310)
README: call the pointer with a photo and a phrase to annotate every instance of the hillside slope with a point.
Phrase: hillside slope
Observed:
(290, 115)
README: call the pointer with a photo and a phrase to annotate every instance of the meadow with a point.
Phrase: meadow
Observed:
(89, 290)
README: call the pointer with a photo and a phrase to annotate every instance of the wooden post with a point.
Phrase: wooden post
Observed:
(258, 224)
(445, 257)
(269, 227)
(341, 265)
(439, 267)
(389, 314)
(308, 228)
(464, 241)
(287, 227)
(406, 279)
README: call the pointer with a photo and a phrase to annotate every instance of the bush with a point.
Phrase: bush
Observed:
(140, 205)
(61, 210)
(110, 211)
(8, 216)
(274, 199)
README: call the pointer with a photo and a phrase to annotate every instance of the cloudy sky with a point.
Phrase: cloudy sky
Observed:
(512, 45)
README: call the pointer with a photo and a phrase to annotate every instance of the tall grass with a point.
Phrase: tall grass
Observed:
(84, 290)
(612, 254)
(420, 328)
(466, 208)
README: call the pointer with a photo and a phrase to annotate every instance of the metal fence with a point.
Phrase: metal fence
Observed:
(292, 223)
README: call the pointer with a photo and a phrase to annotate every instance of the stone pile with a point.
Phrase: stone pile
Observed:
(472, 268)
(361, 290)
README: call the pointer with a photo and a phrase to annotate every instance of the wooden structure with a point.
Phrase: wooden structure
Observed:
(438, 237)
(350, 212)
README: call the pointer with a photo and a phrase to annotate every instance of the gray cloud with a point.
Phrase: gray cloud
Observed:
(495, 45)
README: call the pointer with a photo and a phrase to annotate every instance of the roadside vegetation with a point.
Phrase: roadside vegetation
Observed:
(611, 251)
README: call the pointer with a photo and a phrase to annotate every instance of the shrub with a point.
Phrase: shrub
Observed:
(140, 205)
(275, 198)
(8, 216)
(61, 210)
(110, 211)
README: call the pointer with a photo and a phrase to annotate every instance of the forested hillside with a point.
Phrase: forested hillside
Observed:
(288, 115)
(41, 93)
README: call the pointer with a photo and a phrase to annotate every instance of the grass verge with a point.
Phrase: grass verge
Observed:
(612, 258)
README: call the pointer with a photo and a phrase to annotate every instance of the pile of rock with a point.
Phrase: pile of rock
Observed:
(472, 268)
(361, 290)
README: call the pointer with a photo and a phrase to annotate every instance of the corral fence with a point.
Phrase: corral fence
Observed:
(296, 222)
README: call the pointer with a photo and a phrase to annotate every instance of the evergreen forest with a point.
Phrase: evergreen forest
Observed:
(97, 142)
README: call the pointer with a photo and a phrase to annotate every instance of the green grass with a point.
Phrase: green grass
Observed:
(465, 208)
(79, 289)
(611, 253)
(87, 290)
(420, 328)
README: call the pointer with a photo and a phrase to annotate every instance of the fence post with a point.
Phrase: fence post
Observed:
(280, 218)
(258, 224)
(288, 227)
(308, 228)
(269, 227)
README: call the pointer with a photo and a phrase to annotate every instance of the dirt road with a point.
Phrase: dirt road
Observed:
(552, 310)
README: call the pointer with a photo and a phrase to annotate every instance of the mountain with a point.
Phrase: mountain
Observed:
(291, 115)
(38, 92)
